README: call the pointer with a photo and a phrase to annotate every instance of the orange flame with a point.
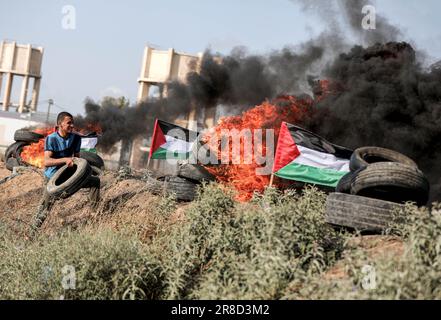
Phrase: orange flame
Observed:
(33, 154)
(269, 115)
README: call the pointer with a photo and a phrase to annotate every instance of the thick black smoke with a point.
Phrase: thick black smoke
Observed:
(385, 99)
(237, 81)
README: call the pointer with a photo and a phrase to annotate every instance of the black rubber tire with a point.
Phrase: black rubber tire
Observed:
(14, 149)
(183, 189)
(11, 163)
(194, 172)
(392, 181)
(362, 157)
(155, 186)
(96, 171)
(66, 181)
(27, 136)
(359, 213)
(93, 159)
(344, 185)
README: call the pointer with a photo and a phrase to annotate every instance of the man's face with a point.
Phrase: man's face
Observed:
(67, 125)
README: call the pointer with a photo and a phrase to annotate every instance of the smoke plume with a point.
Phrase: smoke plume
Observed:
(382, 94)
(385, 98)
(237, 81)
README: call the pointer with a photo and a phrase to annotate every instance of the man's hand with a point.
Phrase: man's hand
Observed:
(69, 162)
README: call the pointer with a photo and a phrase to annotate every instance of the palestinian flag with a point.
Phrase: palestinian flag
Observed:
(171, 141)
(306, 157)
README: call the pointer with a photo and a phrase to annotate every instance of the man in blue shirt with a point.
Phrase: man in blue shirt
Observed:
(60, 148)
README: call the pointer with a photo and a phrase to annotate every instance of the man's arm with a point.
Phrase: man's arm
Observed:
(51, 162)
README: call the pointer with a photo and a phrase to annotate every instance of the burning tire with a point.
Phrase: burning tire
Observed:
(93, 159)
(68, 180)
(194, 172)
(183, 189)
(360, 213)
(363, 157)
(27, 136)
(391, 181)
(13, 152)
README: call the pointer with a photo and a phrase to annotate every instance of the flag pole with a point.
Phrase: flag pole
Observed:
(153, 143)
(148, 162)
(271, 180)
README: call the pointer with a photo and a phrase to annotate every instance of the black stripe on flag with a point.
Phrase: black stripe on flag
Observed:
(172, 130)
(312, 141)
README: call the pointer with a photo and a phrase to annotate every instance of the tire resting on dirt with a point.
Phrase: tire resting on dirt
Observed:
(93, 159)
(362, 157)
(194, 172)
(27, 136)
(11, 163)
(182, 188)
(393, 182)
(155, 186)
(96, 171)
(73, 183)
(360, 213)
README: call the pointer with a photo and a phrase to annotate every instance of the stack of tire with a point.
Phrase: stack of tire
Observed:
(22, 138)
(379, 183)
(183, 184)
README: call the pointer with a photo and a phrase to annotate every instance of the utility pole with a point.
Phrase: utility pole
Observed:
(51, 102)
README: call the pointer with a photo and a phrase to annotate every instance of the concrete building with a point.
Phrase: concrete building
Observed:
(20, 61)
(23, 61)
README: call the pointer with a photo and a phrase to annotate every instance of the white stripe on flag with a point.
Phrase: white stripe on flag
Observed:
(321, 160)
(176, 145)
(88, 143)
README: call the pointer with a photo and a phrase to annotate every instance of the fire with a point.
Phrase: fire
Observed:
(268, 115)
(90, 127)
(33, 154)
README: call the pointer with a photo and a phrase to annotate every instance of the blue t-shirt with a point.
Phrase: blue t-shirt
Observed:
(61, 148)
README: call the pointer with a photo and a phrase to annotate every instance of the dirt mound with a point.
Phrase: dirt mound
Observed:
(124, 203)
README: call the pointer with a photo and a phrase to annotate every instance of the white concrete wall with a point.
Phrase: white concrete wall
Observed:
(8, 126)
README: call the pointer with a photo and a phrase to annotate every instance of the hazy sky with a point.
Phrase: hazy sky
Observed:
(102, 56)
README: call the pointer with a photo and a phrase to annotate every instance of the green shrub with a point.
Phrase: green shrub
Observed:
(277, 246)
(247, 251)
(107, 265)
(415, 275)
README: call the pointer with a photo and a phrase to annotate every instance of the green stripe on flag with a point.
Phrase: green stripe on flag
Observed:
(89, 150)
(163, 154)
(308, 174)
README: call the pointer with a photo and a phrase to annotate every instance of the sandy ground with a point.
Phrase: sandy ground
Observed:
(123, 203)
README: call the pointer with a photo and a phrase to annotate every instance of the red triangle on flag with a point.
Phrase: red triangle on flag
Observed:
(286, 150)
(158, 138)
